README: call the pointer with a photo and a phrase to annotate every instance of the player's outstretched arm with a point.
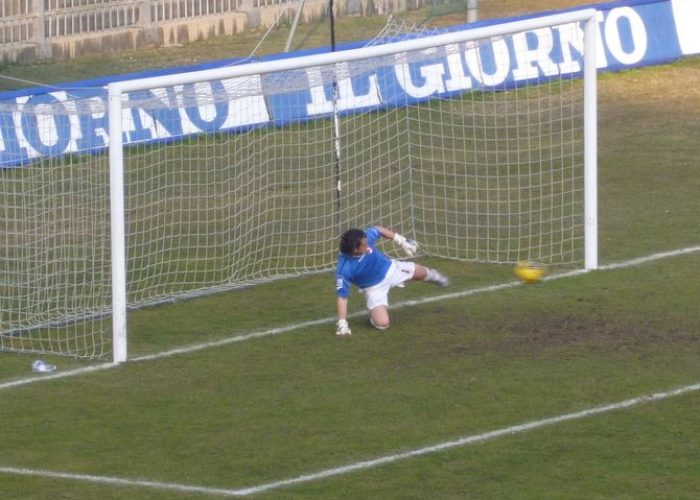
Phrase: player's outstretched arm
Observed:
(342, 327)
(410, 247)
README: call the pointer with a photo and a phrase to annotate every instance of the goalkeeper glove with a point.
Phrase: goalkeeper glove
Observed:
(410, 247)
(342, 328)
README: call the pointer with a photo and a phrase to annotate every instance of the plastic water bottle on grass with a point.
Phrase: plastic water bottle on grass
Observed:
(40, 366)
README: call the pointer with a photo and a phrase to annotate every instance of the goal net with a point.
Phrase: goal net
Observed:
(480, 144)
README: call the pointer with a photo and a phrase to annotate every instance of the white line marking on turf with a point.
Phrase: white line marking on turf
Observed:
(114, 481)
(367, 464)
(650, 258)
(323, 321)
(466, 441)
(54, 376)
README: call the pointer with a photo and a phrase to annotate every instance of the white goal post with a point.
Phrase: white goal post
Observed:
(479, 143)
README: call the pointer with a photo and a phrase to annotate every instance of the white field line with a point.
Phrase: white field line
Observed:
(357, 466)
(329, 320)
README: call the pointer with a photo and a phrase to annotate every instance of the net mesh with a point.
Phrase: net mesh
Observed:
(491, 175)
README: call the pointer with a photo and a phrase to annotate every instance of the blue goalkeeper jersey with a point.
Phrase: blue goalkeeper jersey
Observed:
(362, 270)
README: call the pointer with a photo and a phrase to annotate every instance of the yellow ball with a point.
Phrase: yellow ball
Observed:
(530, 272)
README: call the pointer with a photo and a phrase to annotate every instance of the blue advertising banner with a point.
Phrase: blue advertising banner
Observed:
(631, 33)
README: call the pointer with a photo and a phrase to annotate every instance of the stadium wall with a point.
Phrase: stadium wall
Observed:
(632, 33)
(31, 30)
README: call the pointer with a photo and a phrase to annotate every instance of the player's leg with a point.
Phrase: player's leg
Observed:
(378, 305)
(379, 317)
(423, 273)
(398, 274)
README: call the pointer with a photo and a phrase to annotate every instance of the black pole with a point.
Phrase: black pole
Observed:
(331, 17)
(336, 125)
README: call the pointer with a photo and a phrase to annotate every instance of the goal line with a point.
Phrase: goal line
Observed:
(330, 320)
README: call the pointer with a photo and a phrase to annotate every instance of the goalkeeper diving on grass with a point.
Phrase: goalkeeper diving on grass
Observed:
(361, 264)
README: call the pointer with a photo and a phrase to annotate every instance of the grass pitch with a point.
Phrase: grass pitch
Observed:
(300, 401)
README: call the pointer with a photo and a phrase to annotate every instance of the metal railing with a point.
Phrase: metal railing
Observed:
(75, 19)
(16, 21)
(36, 21)
(168, 10)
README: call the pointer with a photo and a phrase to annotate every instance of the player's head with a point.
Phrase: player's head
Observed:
(352, 240)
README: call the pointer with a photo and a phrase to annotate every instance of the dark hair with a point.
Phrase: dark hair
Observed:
(351, 240)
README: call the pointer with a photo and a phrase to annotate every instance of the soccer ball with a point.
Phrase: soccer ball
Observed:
(530, 272)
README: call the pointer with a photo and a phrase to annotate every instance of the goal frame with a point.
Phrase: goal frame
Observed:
(116, 90)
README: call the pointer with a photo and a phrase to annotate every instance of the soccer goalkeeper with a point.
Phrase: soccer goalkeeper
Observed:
(374, 273)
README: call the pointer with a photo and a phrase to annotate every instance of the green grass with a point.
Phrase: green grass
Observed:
(303, 401)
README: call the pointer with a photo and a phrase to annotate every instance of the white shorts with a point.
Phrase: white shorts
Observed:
(399, 272)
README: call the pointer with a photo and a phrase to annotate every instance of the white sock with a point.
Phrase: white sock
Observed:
(433, 276)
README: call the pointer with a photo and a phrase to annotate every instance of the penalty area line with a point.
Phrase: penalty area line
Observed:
(469, 440)
(363, 465)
